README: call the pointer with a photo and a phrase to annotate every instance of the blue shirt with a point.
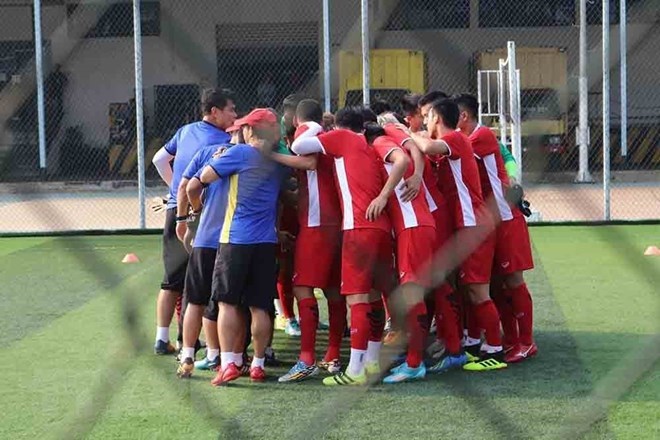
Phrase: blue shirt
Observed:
(183, 146)
(215, 200)
(254, 187)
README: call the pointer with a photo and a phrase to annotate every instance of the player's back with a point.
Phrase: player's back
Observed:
(358, 177)
(183, 146)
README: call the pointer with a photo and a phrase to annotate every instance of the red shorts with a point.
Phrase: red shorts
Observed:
(317, 261)
(414, 253)
(366, 261)
(476, 268)
(513, 249)
(444, 227)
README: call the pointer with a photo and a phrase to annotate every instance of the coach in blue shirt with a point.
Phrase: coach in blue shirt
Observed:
(218, 114)
(245, 269)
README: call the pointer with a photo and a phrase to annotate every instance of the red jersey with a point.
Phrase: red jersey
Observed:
(432, 194)
(492, 173)
(403, 215)
(318, 204)
(458, 180)
(358, 178)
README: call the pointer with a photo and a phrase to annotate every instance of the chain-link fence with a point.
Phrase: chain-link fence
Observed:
(265, 51)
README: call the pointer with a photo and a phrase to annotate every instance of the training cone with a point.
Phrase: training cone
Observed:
(130, 258)
(652, 251)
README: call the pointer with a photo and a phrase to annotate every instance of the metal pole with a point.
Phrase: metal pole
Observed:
(518, 123)
(139, 117)
(514, 98)
(479, 99)
(501, 102)
(364, 10)
(623, 48)
(39, 67)
(326, 54)
(606, 110)
(583, 175)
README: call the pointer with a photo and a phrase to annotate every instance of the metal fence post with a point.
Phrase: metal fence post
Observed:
(39, 67)
(514, 97)
(326, 55)
(583, 175)
(364, 11)
(139, 117)
(623, 48)
(606, 110)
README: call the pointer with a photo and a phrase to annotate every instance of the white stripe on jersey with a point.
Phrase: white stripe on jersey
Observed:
(464, 198)
(407, 210)
(496, 185)
(429, 199)
(346, 198)
(314, 208)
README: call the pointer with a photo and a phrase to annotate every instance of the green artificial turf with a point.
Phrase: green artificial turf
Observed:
(78, 328)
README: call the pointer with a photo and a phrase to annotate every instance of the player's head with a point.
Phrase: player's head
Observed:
(442, 116)
(328, 121)
(369, 115)
(426, 102)
(309, 110)
(381, 106)
(218, 107)
(468, 108)
(350, 118)
(372, 131)
(390, 118)
(411, 111)
(260, 128)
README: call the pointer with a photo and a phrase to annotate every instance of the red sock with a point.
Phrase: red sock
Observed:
(523, 310)
(337, 318)
(487, 317)
(448, 313)
(360, 325)
(376, 321)
(472, 322)
(429, 301)
(177, 307)
(417, 329)
(285, 294)
(503, 302)
(308, 309)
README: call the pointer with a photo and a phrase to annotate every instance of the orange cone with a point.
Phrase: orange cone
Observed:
(130, 258)
(652, 251)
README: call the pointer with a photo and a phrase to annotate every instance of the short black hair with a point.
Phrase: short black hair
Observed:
(410, 103)
(369, 115)
(309, 110)
(431, 97)
(381, 106)
(467, 102)
(291, 101)
(350, 118)
(372, 131)
(448, 110)
(215, 97)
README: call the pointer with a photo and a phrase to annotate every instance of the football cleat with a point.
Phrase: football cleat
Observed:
(292, 328)
(229, 373)
(257, 374)
(206, 364)
(185, 369)
(404, 373)
(488, 362)
(473, 352)
(333, 366)
(164, 348)
(299, 372)
(521, 353)
(344, 379)
(448, 362)
(372, 368)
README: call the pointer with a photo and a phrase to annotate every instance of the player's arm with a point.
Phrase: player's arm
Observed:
(431, 146)
(182, 209)
(162, 160)
(400, 162)
(194, 190)
(509, 163)
(305, 146)
(414, 182)
(307, 162)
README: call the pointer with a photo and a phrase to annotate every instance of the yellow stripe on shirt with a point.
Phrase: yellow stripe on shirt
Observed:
(232, 200)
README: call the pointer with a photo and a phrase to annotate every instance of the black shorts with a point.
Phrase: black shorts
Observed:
(211, 311)
(246, 275)
(175, 257)
(199, 276)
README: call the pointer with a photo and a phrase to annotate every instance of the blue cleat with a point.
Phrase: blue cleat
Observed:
(404, 373)
(449, 362)
(206, 364)
(299, 372)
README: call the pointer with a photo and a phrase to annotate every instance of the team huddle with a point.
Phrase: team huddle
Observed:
(412, 220)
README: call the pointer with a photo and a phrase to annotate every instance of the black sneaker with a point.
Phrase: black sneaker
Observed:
(164, 348)
(473, 352)
(271, 360)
